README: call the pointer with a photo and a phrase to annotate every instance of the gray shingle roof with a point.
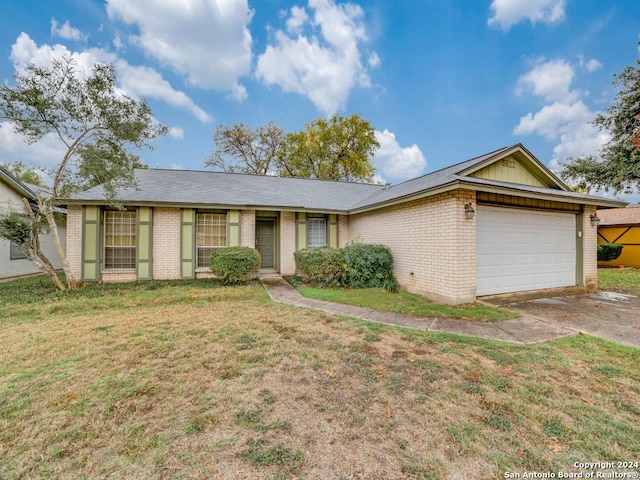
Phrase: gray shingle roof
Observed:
(234, 189)
(204, 188)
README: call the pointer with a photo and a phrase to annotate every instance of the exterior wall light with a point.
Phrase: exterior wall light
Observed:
(595, 220)
(469, 211)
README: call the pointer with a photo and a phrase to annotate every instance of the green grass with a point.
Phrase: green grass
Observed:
(623, 280)
(195, 380)
(405, 302)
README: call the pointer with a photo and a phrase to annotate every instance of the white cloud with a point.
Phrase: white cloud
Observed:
(135, 81)
(176, 166)
(147, 82)
(506, 13)
(550, 80)
(297, 19)
(553, 119)
(324, 65)
(396, 162)
(374, 60)
(46, 153)
(206, 40)
(176, 132)
(66, 31)
(566, 119)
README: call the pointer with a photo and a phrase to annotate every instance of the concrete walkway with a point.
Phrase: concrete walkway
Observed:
(523, 330)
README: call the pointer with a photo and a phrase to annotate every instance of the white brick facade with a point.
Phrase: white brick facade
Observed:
(589, 246)
(166, 243)
(287, 243)
(74, 240)
(432, 242)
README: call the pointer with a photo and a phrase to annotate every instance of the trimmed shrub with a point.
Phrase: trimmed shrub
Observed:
(368, 266)
(609, 251)
(319, 264)
(235, 264)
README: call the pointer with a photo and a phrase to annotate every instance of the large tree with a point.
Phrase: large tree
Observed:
(618, 165)
(241, 148)
(23, 173)
(101, 130)
(335, 149)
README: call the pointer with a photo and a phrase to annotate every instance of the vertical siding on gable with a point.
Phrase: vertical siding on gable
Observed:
(509, 170)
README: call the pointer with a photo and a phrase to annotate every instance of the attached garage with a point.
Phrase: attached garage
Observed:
(520, 250)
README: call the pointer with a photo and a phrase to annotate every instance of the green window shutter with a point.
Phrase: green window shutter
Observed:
(90, 243)
(332, 226)
(301, 231)
(188, 243)
(234, 228)
(144, 264)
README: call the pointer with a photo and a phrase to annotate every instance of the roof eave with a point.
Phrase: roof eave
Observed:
(221, 206)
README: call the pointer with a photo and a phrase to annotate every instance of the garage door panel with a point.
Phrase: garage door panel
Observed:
(520, 250)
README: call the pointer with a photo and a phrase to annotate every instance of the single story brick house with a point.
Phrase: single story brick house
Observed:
(501, 222)
(13, 262)
(621, 225)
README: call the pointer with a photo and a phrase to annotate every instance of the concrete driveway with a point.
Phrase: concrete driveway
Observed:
(612, 316)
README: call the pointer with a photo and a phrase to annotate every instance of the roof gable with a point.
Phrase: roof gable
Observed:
(515, 165)
(16, 185)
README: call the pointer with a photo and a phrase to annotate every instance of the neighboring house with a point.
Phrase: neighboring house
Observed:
(621, 225)
(13, 262)
(498, 223)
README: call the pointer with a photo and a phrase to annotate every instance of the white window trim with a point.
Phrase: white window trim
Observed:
(313, 238)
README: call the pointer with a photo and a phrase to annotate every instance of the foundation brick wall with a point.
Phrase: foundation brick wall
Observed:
(433, 244)
(118, 276)
(287, 243)
(166, 243)
(74, 240)
(248, 228)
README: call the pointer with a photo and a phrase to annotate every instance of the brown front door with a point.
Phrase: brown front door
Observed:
(265, 242)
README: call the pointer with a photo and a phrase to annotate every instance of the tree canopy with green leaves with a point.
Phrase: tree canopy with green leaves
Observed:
(100, 128)
(23, 173)
(618, 165)
(340, 148)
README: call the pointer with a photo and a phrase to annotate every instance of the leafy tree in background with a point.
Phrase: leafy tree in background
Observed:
(240, 148)
(23, 173)
(618, 166)
(100, 129)
(336, 149)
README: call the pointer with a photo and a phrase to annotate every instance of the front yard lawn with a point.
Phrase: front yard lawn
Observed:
(405, 302)
(194, 380)
(621, 280)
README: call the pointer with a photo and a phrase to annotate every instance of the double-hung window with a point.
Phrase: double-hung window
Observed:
(211, 234)
(317, 232)
(119, 239)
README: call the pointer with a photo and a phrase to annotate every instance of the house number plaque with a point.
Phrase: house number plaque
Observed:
(509, 163)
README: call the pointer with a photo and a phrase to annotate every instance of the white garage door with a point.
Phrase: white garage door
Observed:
(522, 250)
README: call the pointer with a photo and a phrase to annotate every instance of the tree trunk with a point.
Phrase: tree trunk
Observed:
(48, 211)
(35, 255)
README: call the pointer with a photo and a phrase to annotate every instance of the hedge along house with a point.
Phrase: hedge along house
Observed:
(621, 225)
(498, 223)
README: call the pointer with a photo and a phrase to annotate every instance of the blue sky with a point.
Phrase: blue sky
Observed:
(440, 80)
